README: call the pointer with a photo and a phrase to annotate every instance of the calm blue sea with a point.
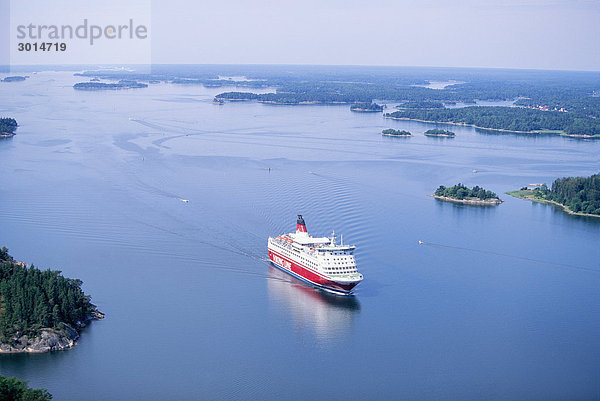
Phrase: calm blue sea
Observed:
(498, 303)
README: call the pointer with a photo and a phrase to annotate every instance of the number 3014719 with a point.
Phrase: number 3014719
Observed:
(42, 47)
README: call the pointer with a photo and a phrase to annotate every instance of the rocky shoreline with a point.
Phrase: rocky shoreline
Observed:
(359, 110)
(481, 202)
(580, 136)
(48, 339)
(398, 135)
(440, 135)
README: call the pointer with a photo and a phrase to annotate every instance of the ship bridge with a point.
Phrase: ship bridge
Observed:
(304, 239)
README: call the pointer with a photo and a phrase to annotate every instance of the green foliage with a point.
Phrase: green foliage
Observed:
(122, 84)
(506, 118)
(553, 90)
(423, 104)
(237, 96)
(579, 194)
(4, 256)
(12, 389)
(575, 100)
(577, 92)
(460, 191)
(8, 125)
(31, 299)
(395, 132)
(439, 132)
(366, 106)
(583, 126)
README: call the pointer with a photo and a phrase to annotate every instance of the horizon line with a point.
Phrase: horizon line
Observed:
(9, 66)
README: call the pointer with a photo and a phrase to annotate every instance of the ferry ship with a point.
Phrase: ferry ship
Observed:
(316, 260)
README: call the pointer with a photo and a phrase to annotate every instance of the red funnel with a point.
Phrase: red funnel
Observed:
(300, 225)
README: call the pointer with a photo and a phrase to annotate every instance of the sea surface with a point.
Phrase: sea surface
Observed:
(498, 303)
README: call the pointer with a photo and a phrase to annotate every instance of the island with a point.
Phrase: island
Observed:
(520, 120)
(8, 126)
(366, 107)
(40, 311)
(14, 389)
(421, 105)
(395, 132)
(470, 196)
(15, 78)
(574, 195)
(122, 84)
(236, 96)
(440, 133)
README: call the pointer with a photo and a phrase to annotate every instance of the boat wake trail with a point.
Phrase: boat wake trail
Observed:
(487, 252)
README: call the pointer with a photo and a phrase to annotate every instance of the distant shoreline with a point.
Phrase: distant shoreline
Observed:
(556, 132)
(98, 86)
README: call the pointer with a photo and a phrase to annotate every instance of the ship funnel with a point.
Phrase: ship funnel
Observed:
(300, 225)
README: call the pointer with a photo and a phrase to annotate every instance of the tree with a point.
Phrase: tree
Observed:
(460, 191)
(13, 389)
(580, 194)
(33, 299)
(8, 125)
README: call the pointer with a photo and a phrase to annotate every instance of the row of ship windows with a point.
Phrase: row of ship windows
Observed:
(348, 263)
(342, 270)
(313, 264)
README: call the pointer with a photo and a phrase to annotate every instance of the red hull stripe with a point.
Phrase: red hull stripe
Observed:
(307, 273)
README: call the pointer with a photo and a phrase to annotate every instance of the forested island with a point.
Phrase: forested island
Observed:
(13, 389)
(40, 311)
(462, 194)
(575, 195)
(8, 126)
(122, 84)
(423, 104)
(395, 132)
(236, 96)
(440, 133)
(511, 119)
(366, 107)
(15, 78)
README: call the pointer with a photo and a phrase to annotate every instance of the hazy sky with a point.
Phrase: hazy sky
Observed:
(549, 34)
(541, 34)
